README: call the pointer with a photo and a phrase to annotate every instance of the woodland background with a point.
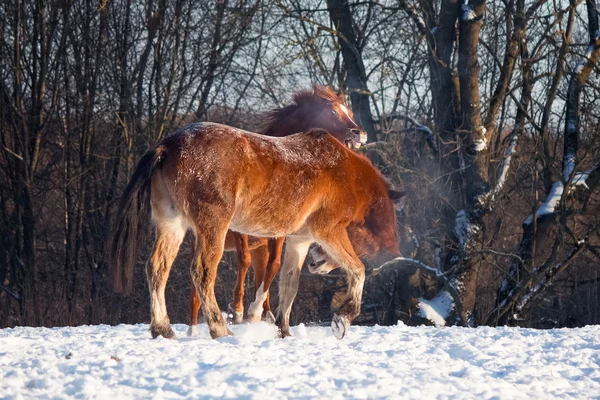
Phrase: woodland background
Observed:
(484, 112)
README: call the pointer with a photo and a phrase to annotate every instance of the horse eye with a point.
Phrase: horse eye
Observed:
(333, 113)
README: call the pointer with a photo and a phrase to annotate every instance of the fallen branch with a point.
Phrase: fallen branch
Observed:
(412, 261)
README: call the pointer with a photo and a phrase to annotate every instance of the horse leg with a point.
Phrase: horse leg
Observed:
(260, 259)
(195, 308)
(210, 241)
(275, 250)
(338, 246)
(243, 257)
(295, 253)
(194, 303)
(169, 235)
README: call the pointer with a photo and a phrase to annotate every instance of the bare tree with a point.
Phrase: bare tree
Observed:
(484, 112)
(525, 281)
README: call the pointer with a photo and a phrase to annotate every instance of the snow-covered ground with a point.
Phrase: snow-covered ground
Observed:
(399, 362)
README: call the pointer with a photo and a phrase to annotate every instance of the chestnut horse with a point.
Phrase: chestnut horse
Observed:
(209, 177)
(322, 108)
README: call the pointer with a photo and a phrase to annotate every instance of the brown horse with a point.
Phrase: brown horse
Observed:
(209, 177)
(363, 243)
(317, 108)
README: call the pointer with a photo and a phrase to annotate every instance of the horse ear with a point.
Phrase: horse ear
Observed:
(395, 195)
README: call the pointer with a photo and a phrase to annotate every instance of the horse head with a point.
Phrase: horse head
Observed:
(369, 238)
(328, 111)
(319, 107)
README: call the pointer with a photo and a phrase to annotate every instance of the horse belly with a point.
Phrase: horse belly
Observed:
(267, 221)
(277, 198)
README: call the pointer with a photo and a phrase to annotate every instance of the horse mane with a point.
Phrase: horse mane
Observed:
(318, 94)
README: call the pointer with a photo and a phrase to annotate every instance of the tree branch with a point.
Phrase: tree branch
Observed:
(416, 126)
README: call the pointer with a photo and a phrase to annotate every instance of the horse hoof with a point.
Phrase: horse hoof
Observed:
(339, 326)
(253, 318)
(283, 333)
(269, 317)
(164, 331)
(220, 331)
(238, 317)
(234, 317)
(192, 331)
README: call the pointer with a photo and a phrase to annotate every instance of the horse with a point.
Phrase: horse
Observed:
(322, 108)
(364, 244)
(210, 178)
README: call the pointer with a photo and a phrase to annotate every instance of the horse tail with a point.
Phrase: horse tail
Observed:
(134, 207)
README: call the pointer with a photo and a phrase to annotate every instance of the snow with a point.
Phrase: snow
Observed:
(569, 165)
(588, 54)
(525, 299)
(122, 362)
(467, 13)
(552, 201)
(420, 22)
(480, 144)
(437, 256)
(590, 49)
(464, 229)
(580, 179)
(437, 309)
(504, 285)
(504, 169)
(557, 189)
(420, 127)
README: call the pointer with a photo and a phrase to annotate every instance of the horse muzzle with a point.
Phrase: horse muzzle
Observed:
(320, 262)
(356, 138)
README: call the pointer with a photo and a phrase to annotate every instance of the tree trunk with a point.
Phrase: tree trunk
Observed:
(356, 77)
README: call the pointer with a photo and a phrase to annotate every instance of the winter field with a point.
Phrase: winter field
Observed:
(370, 362)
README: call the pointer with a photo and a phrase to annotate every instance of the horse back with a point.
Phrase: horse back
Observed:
(268, 186)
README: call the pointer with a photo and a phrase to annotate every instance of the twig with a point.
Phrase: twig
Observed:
(13, 294)
(20, 158)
